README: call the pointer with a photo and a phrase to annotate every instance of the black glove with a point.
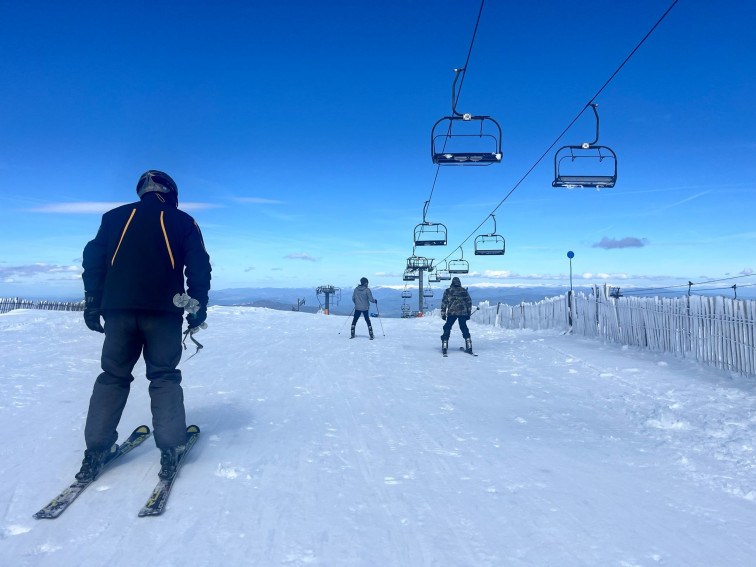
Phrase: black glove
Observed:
(443, 316)
(92, 312)
(196, 319)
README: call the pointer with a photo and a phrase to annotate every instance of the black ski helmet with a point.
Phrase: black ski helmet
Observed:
(363, 281)
(154, 180)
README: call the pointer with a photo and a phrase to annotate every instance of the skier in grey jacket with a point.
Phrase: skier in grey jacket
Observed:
(362, 297)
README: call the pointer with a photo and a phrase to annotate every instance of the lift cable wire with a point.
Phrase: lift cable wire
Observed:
(690, 283)
(455, 98)
(587, 105)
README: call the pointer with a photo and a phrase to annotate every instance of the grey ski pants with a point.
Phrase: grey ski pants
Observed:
(128, 334)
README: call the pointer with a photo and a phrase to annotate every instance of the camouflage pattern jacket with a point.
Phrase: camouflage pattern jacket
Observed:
(456, 300)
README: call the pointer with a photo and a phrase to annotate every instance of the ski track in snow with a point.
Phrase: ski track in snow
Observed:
(546, 449)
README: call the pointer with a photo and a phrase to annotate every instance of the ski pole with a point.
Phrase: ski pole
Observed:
(379, 318)
(347, 319)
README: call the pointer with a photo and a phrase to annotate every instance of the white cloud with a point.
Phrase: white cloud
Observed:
(604, 276)
(497, 274)
(86, 207)
(12, 274)
(100, 207)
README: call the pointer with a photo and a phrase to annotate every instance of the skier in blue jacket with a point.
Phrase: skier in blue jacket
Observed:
(133, 268)
(362, 297)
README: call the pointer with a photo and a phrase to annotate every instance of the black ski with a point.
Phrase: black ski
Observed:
(465, 350)
(156, 502)
(58, 504)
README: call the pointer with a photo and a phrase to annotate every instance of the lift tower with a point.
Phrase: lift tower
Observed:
(419, 265)
(328, 291)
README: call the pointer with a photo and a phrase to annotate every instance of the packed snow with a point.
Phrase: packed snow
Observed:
(546, 449)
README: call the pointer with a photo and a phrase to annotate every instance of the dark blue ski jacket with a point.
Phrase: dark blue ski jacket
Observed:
(141, 254)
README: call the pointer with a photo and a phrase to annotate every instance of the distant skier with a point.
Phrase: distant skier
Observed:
(362, 297)
(132, 270)
(456, 305)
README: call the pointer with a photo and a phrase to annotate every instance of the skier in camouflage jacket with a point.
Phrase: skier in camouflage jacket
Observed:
(456, 305)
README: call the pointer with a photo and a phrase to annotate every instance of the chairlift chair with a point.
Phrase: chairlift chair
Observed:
(419, 263)
(460, 265)
(430, 234)
(491, 244)
(586, 165)
(461, 148)
(406, 294)
(443, 273)
(433, 277)
(410, 275)
(427, 292)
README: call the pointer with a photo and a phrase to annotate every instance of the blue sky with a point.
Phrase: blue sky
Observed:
(299, 136)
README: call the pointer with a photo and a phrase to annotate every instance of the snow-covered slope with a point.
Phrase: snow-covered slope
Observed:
(319, 450)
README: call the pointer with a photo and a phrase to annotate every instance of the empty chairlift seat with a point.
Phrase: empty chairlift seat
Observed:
(460, 266)
(410, 275)
(586, 165)
(419, 263)
(491, 244)
(465, 139)
(430, 234)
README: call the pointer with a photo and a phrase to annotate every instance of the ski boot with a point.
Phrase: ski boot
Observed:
(169, 459)
(352, 332)
(444, 346)
(370, 330)
(468, 346)
(92, 463)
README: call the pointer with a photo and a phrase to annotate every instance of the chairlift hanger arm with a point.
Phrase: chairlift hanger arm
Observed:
(454, 91)
(586, 145)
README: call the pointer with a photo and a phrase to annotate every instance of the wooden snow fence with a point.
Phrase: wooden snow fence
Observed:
(8, 304)
(716, 331)
(551, 313)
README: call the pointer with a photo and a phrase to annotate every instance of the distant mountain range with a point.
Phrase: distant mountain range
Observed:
(389, 299)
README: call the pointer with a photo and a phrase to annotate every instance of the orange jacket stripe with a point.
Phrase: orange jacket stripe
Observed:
(167, 243)
(125, 228)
